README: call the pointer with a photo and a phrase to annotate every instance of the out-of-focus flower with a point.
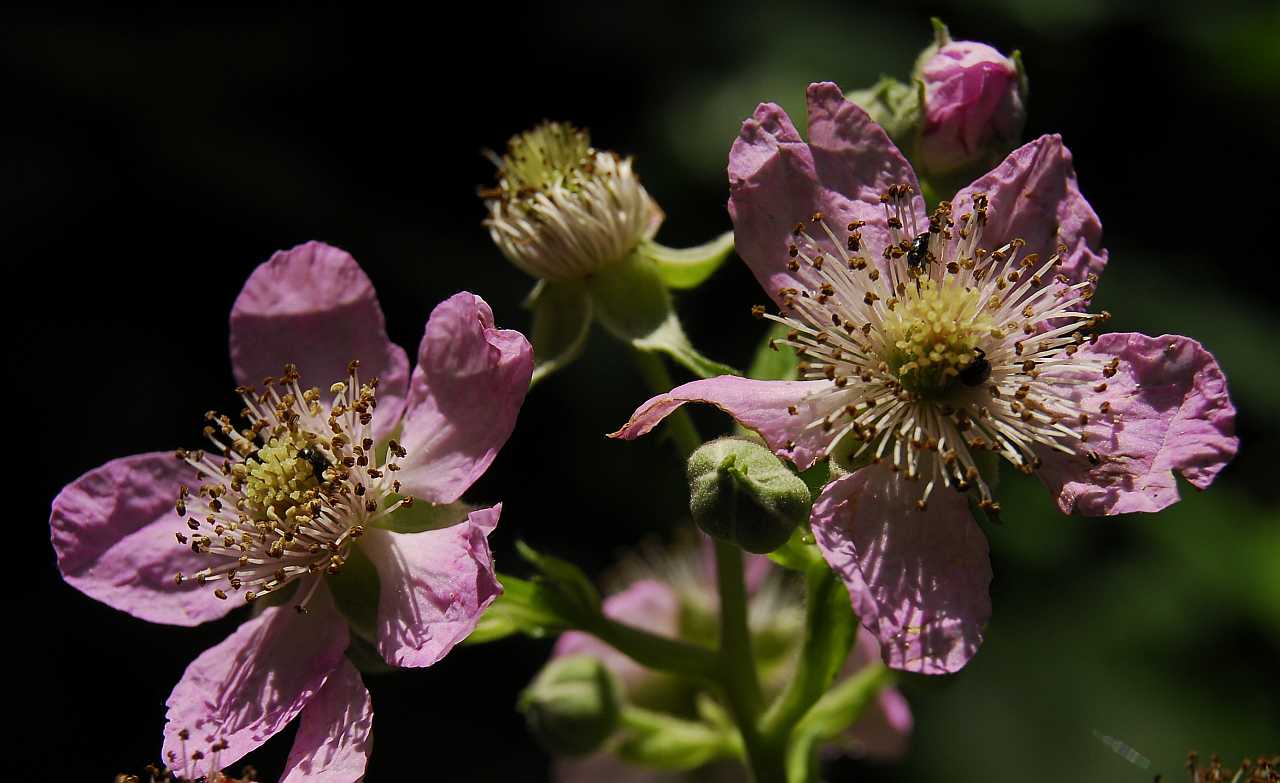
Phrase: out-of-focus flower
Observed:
(932, 342)
(283, 509)
(579, 220)
(673, 594)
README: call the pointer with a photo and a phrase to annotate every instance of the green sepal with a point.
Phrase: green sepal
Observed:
(422, 516)
(774, 362)
(687, 267)
(799, 553)
(838, 709)
(894, 105)
(662, 741)
(740, 492)
(355, 591)
(566, 578)
(561, 323)
(532, 608)
(633, 303)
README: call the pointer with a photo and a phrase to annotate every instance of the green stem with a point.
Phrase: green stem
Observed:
(738, 669)
(679, 425)
(829, 631)
(653, 651)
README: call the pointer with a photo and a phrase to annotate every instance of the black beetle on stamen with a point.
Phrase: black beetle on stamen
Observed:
(319, 462)
(976, 372)
(918, 255)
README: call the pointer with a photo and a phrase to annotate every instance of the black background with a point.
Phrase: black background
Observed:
(152, 159)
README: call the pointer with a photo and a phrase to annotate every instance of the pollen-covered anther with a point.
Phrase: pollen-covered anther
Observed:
(285, 498)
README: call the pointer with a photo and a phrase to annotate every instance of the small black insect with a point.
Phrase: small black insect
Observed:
(918, 255)
(976, 372)
(319, 462)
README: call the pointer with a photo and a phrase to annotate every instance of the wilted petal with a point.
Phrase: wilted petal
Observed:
(1169, 411)
(649, 605)
(248, 687)
(433, 586)
(759, 405)
(335, 735)
(468, 386)
(1033, 196)
(918, 579)
(113, 531)
(315, 307)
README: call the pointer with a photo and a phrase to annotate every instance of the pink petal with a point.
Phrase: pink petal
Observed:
(918, 579)
(315, 307)
(433, 587)
(856, 162)
(884, 730)
(468, 386)
(649, 605)
(760, 405)
(1170, 411)
(335, 735)
(1034, 196)
(776, 181)
(248, 687)
(113, 531)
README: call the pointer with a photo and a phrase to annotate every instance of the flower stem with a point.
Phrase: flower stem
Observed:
(679, 426)
(738, 669)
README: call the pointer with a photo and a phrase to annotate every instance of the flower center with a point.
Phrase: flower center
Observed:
(934, 332)
(562, 209)
(287, 496)
(936, 349)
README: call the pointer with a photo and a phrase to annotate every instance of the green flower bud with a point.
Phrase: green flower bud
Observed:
(573, 705)
(740, 492)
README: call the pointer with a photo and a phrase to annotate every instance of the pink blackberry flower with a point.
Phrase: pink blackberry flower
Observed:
(272, 510)
(931, 341)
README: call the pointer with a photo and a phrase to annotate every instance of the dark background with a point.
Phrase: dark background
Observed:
(152, 159)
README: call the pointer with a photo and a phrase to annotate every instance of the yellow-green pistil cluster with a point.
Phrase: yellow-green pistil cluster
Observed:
(285, 498)
(561, 209)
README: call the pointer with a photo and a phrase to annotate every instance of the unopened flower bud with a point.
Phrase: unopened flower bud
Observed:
(573, 705)
(974, 107)
(740, 492)
(561, 209)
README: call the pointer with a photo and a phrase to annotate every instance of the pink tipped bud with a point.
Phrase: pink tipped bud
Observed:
(974, 107)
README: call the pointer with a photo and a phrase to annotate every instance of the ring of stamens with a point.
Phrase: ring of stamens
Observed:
(285, 498)
(937, 349)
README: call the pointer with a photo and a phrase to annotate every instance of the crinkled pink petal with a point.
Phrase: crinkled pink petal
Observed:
(918, 579)
(315, 307)
(433, 586)
(759, 405)
(335, 735)
(248, 687)
(468, 386)
(776, 180)
(884, 729)
(1169, 411)
(856, 162)
(649, 605)
(113, 531)
(1033, 196)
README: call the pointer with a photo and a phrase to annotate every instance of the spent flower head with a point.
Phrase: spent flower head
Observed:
(931, 342)
(562, 209)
